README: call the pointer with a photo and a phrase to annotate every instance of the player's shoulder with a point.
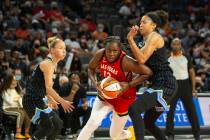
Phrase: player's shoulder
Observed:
(156, 39)
(155, 36)
(46, 64)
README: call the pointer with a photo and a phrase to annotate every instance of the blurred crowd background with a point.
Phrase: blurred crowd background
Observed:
(84, 26)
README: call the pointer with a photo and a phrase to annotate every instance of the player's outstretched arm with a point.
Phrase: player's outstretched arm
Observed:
(48, 71)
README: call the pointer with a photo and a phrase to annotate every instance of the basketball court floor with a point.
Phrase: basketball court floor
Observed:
(179, 137)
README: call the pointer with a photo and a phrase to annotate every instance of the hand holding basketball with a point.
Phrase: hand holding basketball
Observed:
(98, 87)
(124, 87)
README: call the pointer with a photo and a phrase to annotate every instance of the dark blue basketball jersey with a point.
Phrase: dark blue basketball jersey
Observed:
(162, 74)
(36, 84)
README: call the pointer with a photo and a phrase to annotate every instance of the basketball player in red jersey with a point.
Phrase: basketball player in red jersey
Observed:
(112, 61)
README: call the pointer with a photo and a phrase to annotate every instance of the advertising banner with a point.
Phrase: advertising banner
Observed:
(202, 105)
(205, 109)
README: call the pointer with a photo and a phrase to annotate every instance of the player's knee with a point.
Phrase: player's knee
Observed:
(114, 135)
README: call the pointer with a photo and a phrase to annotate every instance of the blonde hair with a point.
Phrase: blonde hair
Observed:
(51, 41)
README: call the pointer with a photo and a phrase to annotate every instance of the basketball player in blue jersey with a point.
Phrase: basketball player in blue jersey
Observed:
(40, 96)
(163, 84)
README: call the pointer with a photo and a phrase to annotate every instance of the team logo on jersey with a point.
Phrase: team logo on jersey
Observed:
(109, 69)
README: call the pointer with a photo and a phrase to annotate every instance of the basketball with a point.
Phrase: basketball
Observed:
(110, 88)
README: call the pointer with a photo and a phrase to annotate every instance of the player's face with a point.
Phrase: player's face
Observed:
(112, 51)
(59, 50)
(146, 25)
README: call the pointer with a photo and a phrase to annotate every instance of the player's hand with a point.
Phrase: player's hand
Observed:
(67, 106)
(98, 86)
(194, 94)
(99, 89)
(52, 103)
(133, 32)
(124, 87)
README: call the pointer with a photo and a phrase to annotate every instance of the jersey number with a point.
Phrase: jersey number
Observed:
(107, 74)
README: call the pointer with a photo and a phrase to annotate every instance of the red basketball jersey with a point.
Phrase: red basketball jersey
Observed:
(115, 70)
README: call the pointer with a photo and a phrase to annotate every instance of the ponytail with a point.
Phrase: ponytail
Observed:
(159, 17)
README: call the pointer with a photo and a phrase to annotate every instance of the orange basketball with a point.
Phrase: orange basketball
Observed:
(110, 88)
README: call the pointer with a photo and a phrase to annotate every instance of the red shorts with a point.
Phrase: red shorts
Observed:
(122, 103)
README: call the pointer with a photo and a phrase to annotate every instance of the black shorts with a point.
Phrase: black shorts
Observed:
(30, 104)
